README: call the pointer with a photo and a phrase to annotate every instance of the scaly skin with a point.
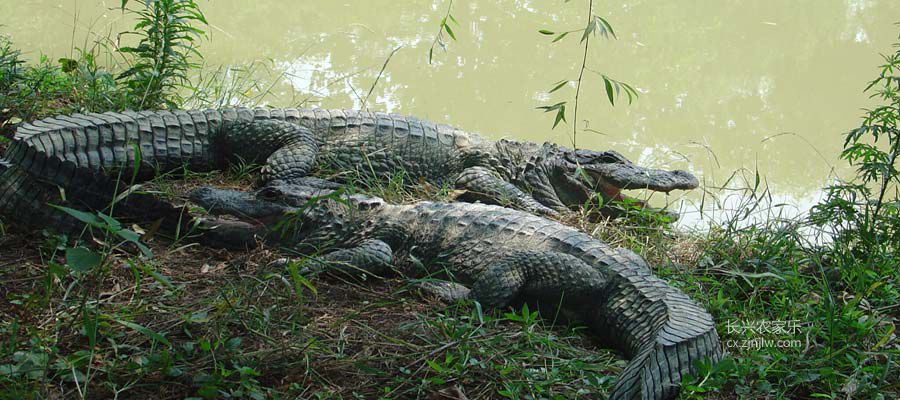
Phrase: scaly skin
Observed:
(505, 256)
(84, 154)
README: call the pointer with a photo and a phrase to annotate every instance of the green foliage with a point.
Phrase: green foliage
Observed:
(559, 108)
(163, 56)
(863, 220)
(10, 75)
(82, 260)
(443, 28)
(108, 226)
(95, 88)
(770, 272)
(34, 91)
(86, 322)
(835, 273)
(159, 67)
(614, 88)
(505, 353)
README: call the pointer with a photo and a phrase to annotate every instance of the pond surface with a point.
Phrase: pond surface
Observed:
(725, 85)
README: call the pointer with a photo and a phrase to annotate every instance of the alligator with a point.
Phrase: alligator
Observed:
(81, 158)
(505, 256)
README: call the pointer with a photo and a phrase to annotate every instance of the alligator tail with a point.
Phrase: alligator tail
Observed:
(664, 332)
(22, 200)
(24, 197)
(75, 160)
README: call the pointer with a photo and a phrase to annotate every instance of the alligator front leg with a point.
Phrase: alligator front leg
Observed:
(445, 290)
(485, 185)
(372, 257)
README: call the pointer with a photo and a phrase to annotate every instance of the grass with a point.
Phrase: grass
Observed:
(99, 317)
(34, 91)
(198, 322)
(193, 321)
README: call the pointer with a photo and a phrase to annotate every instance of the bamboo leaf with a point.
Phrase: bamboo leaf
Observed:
(90, 327)
(560, 116)
(588, 30)
(299, 281)
(630, 91)
(87, 218)
(558, 86)
(449, 31)
(133, 237)
(560, 37)
(609, 90)
(136, 166)
(111, 222)
(606, 26)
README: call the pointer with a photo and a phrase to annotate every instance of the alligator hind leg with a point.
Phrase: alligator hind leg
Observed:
(539, 275)
(293, 161)
(482, 184)
(290, 150)
(291, 164)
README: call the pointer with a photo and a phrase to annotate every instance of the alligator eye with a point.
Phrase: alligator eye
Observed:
(573, 157)
(610, 157)
(269, 193)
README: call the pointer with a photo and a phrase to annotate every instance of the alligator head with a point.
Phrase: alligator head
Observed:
(278, 212)
(563, 178)
(253, 216)
(258, 207)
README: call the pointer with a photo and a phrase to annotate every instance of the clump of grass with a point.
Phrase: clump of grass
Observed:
(396, 187)
(155, 72)
(10, 64)
(33, 91)
(832, 275)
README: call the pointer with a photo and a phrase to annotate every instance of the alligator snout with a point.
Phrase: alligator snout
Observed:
(246, 205)
(630, 176)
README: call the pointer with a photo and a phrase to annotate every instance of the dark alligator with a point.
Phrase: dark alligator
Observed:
(84, 153)
(504, 255)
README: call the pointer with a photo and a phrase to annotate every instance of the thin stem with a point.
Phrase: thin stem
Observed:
(884, 186)
(587, 40)
(383, 67)
(440, 34)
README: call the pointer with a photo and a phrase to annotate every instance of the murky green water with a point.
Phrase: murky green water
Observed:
(725, 84)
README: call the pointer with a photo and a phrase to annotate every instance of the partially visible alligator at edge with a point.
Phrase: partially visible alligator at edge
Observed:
(504, 255)
(84, 153)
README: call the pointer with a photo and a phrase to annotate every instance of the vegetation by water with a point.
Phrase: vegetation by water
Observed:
(807, 307)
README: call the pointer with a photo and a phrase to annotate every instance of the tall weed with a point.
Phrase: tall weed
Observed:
(163, 57)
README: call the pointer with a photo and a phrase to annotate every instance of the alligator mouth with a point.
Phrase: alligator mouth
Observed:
(630, 177)
(245, 206)
(609, 181)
